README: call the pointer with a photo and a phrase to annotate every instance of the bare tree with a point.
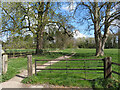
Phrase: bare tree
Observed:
(101, 18)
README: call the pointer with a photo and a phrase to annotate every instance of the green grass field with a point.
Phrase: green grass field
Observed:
(27, 50)
(19, 50)
(72, 77)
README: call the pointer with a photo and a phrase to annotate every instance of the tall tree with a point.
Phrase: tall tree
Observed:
(31, 17)
(99, 13)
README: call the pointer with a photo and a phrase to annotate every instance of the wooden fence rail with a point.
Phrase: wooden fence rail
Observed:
(115, 71)
(115, 63)
(18, 54)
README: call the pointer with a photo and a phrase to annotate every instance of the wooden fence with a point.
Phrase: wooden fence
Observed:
(115, 72)
(19, 54)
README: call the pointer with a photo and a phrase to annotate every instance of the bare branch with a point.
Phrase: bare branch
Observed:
(10, 16)
(112, 31)
(102, 6)
(114, 14)
(46, 10)
(91, 3)
(91, 11)
(113, 19)
(115, 25)
(76, 9)
(61, 25)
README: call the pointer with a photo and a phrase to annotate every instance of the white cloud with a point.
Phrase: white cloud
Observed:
(70, 7)
(77, 34)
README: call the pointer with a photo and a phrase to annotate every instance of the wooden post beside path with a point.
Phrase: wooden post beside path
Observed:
(5, 63)
(29, 65)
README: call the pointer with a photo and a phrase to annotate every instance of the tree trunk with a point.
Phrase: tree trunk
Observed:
(39, 42)
(98, 36)
(99, 49)
(40, 29)
(100, 43)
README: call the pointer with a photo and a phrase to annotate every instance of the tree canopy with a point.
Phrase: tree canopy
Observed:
(45, 20)
(19, 18)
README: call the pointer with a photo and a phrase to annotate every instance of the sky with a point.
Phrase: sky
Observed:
(82, 27)
(78, 26)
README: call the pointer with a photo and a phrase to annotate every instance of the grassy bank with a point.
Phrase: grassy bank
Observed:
(72, 77)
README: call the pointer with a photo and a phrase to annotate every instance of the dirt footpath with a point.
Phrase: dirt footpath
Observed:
(15, 82)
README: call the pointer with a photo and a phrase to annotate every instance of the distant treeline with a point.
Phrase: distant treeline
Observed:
(112, 42)
(61, 42)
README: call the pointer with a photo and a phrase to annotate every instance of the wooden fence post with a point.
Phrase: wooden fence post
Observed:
(5, 63)
(29, 65)
(35, 68)
(107, 67)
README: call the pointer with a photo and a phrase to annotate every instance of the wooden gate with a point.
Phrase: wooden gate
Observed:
(86, 66)
(81, 66)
